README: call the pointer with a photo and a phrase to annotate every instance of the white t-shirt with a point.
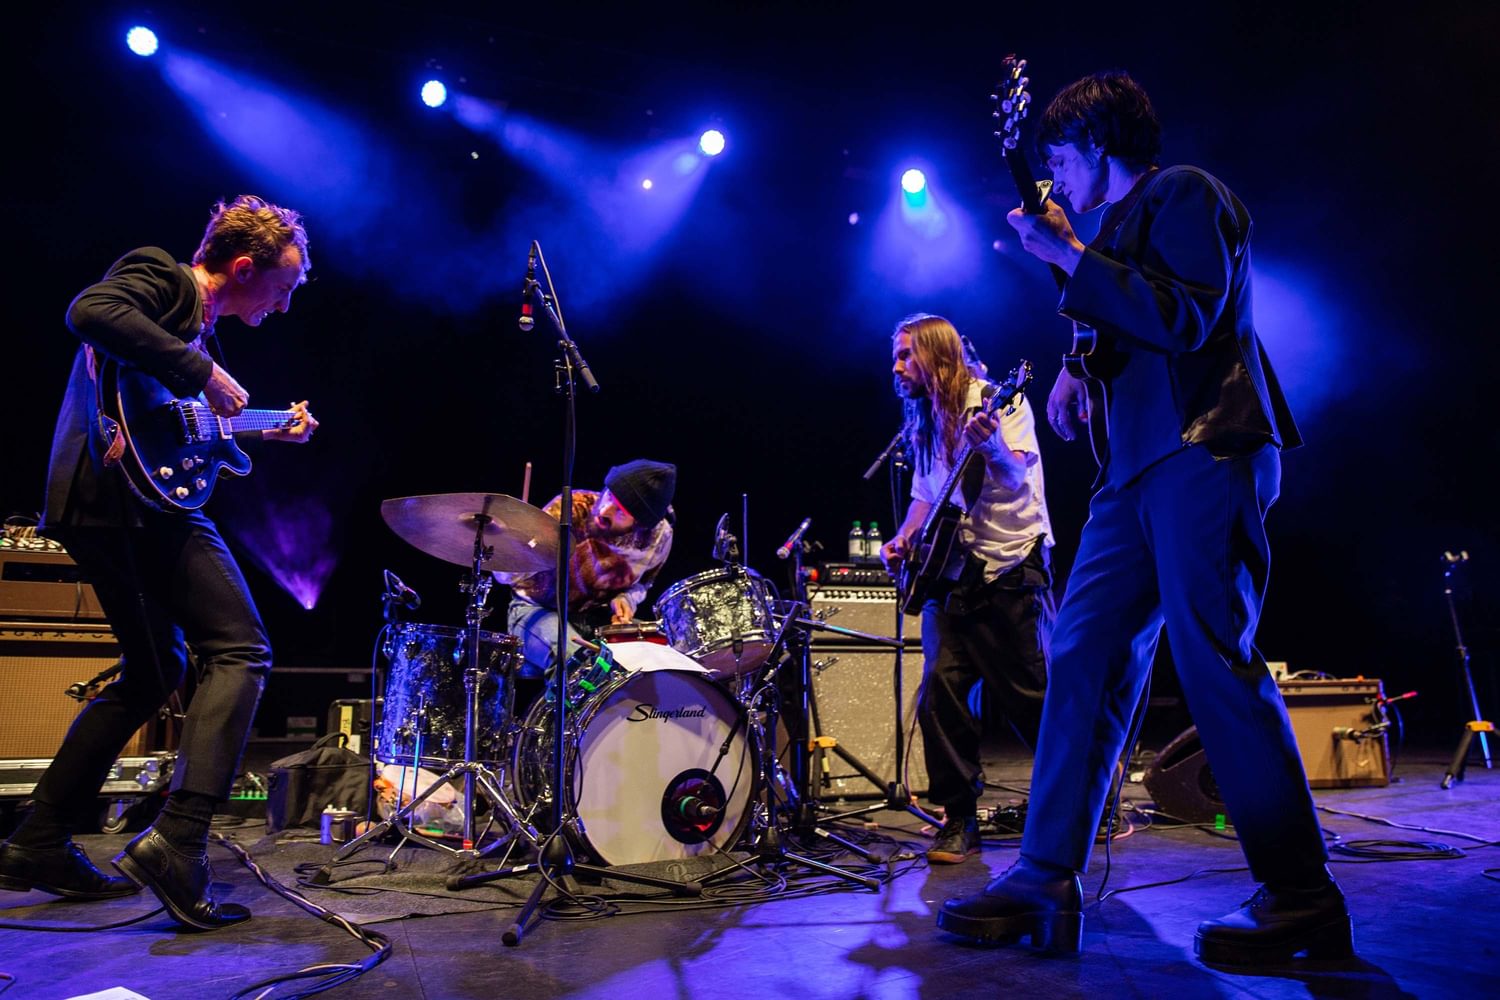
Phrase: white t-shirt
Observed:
(1003, 524)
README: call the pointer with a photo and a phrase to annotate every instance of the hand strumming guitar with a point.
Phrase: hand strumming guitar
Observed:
(1068, 406)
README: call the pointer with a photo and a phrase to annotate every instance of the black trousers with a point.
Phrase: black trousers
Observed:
(167, 584)
(997, 632)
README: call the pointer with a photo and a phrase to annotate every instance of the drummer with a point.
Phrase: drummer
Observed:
(621, 538)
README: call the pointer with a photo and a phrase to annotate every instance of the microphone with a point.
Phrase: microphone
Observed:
(399, 593)
(526, 320)
(795, 540)
(693, 807)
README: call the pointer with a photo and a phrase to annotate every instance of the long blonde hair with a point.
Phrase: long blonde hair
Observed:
(934, 420)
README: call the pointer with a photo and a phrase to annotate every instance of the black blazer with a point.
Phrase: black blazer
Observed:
(146, 312)
(1168, 289)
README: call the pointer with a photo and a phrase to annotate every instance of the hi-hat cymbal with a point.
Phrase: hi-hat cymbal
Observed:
(520, 538)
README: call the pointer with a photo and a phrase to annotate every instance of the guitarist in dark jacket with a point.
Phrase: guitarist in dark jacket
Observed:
(165, 579)
(988, 609)
(1175, 538)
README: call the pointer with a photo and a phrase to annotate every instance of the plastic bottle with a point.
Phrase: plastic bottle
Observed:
(857, 544)
(873, 542)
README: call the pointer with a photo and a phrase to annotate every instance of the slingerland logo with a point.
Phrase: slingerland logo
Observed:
(645, 713)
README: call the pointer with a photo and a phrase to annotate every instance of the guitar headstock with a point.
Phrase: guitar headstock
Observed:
(1014, 385)
(1012, 101)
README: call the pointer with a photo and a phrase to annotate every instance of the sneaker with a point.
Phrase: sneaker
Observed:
(956, 841)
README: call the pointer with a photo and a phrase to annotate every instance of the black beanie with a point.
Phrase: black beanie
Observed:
(644, 488)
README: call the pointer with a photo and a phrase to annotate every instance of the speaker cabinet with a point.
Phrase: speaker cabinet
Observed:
(853, 685)
(1180, 782)
(38, 663)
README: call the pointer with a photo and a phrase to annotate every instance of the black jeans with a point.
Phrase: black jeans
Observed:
(163, 586)
(997, 632)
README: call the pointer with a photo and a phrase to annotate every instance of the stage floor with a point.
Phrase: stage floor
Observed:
(1422, 928)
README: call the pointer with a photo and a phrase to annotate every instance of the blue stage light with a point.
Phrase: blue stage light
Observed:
(913, 182)
(711, 142)
(434, 93)
(142, 41)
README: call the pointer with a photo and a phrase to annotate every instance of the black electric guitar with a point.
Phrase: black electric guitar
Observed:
(1089, 359)
(934, 543)
(172, 449)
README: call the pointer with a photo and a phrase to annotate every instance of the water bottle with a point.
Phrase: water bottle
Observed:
(873, 542)
(857, 544)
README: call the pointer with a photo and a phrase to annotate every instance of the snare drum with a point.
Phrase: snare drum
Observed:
(721, 618)
(633, 632)
(425, 703)
(645, 774)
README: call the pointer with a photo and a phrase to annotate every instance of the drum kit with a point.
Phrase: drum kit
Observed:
(668, 751)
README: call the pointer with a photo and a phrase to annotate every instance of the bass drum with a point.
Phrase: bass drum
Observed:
(644, 772)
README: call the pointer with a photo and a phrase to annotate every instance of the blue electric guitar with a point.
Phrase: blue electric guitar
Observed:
(171, 449)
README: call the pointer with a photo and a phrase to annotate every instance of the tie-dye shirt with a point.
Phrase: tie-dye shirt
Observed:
(603, 566)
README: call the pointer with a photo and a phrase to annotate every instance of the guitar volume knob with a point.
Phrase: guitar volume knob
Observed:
(165, 472)
(200, 483)
(181, 492)
(187, 464)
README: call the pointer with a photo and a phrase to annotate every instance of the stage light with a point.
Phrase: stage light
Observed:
(142, 41)
(913, 182)
(646, 184)
(853, 218)
(711, 142)
(434, 93)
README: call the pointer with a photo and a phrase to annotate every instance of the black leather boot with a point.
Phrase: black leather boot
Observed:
(1277, 923)
(180, 881)
(63, 871)
(1027, 899)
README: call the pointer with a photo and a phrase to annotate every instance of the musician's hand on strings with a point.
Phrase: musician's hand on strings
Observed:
(299, 430)
(894, 552)
(1068, 406)
(225, 396)
(1049, 236)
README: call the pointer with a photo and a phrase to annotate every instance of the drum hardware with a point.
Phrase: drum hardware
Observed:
(555, 855)
(429, 523)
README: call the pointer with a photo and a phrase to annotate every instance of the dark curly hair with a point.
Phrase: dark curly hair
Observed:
(1106, 109)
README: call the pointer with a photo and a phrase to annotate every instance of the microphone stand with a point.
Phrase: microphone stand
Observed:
(555, 859)
(897, 795)
(1477, 723)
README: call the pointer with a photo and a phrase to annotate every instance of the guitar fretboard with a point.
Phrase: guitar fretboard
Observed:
(257, 420)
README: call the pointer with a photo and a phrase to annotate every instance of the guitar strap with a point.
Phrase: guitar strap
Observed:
(110, 431)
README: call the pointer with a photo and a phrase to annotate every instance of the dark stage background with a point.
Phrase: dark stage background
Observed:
(748, 341)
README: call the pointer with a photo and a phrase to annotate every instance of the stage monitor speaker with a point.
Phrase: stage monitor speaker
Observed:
(38, 663)
(1180, 782)
(853, 684)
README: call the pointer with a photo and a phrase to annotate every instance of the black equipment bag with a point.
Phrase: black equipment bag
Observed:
(306, 783)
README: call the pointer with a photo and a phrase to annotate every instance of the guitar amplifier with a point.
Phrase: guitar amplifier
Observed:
(43, 582)
(38, 663)
(853, 686)
(1339, 731)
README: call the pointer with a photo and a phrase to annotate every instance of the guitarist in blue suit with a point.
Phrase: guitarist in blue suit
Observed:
(988, 609)
(164, 577)
(1175, 539)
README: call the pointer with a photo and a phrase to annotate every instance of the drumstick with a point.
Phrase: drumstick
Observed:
(526, 485)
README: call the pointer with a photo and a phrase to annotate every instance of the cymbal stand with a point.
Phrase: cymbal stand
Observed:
(555, 859)
(770, 844)
(475, 773)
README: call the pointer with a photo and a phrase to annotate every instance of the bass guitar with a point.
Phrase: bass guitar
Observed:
(172, 449)
(939, 532)
(1089, 359)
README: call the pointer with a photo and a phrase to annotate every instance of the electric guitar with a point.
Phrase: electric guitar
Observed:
(1089, 359)
(172, 449)
(934, 542)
